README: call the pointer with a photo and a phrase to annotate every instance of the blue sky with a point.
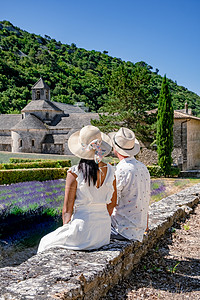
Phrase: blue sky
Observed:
(164, 34)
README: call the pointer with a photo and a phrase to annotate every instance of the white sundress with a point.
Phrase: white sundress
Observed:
(90, 225)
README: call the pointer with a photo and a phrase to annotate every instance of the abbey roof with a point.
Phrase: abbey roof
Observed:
(30, 122)
(40, 84)
(41, 105)
(8, 121)
(75, 121)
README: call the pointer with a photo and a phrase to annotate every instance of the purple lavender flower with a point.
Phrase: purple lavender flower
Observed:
(25, 196)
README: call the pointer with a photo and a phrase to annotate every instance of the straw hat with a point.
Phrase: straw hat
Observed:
(124, 142)
(89, 142)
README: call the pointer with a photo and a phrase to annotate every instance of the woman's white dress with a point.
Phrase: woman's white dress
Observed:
(90, 225)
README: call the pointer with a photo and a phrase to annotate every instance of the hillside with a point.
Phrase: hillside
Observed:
(73, 74)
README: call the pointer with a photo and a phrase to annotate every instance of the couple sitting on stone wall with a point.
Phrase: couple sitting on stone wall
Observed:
(100, 202)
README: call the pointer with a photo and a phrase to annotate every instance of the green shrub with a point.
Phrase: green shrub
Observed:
(155, 171)
(37, 164)
(23, 160)
(174, 172)
(22, 175)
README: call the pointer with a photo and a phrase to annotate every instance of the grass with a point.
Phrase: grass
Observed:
(164, 187)
(5, 156)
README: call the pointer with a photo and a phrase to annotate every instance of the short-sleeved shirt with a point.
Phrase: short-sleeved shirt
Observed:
(129, 217)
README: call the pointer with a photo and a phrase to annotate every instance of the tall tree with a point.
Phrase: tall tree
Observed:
(165, 120)
(128, 101)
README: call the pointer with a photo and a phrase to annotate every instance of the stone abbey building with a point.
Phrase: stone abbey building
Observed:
(43, 126)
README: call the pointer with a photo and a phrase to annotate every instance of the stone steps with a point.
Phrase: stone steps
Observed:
(190, 173)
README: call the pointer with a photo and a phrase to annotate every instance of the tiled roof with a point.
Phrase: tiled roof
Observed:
(40, 84)
(30, 122)
(68, 108)
(8, 121)
(75, 121)
(177, 114)
(41, 105)
(180, 115)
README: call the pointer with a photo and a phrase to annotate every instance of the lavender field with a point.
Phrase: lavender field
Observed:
(46, 197)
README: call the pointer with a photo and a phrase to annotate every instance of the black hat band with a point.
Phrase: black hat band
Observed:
(120, 146)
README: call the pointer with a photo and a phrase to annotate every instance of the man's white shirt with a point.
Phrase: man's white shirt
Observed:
(129, 218)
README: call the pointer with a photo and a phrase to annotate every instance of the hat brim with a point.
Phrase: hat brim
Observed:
(123, 152)
(76, 148)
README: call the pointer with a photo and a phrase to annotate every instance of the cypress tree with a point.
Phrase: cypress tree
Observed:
(165, 120)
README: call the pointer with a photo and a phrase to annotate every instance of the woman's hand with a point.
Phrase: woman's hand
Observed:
(66, 218)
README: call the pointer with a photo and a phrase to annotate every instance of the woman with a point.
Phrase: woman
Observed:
(90, 195)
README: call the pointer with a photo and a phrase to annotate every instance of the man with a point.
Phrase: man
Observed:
(130, 216)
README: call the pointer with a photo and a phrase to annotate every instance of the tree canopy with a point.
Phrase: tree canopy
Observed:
(130, 97)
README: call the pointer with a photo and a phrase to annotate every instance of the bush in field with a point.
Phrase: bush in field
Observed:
(36, 164)
(22, 175)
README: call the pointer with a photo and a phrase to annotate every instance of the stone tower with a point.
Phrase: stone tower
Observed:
(40, 91)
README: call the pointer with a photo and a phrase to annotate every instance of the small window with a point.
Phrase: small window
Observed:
(33, 143)
(37, 95)
(20, 143)
(47, 95)
(47, 116)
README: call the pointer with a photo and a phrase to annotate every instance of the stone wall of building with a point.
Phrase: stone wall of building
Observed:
(65, 274)
(193, 148)
(179, 153)
(5, 140)
(53, 149)
(27, 141)
(5, 147)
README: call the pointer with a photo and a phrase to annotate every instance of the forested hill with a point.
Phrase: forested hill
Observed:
(73, 74)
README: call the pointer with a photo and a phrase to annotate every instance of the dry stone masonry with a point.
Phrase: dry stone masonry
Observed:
(65, 274)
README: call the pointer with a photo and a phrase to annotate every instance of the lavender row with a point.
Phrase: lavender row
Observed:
(30, 195)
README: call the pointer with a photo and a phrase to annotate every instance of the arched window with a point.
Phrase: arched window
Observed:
(37, 95)
(20, 143)
(33, 143)
(47, 115)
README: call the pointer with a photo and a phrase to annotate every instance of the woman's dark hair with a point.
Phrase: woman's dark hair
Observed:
(89, 169)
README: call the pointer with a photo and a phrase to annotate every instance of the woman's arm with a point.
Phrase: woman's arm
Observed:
(70, 194)
(113, 203)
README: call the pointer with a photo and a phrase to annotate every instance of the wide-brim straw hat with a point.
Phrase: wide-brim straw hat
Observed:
(124, 142)
(81, 139)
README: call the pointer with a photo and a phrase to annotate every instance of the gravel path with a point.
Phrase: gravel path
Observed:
(169, 271)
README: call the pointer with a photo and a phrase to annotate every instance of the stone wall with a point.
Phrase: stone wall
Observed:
(179, 153)
(27, 136)
(64, 274)
(193, 149)
(148, 156)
